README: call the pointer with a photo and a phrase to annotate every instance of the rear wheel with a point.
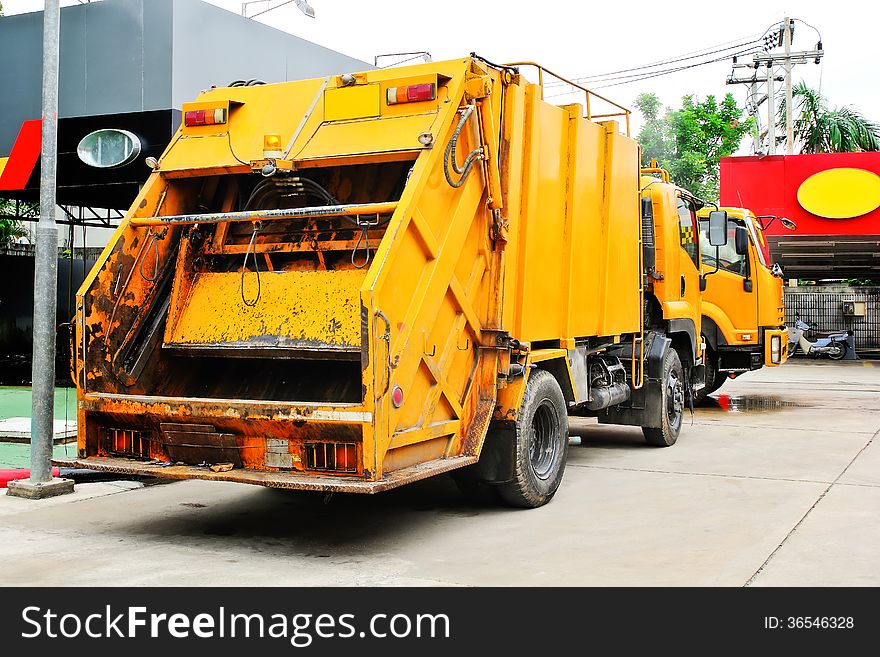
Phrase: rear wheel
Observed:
(836, 350)
(541, 444)
(671, 404)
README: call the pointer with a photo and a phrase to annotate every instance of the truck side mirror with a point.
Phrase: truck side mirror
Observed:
(718, 227)
(741, 241)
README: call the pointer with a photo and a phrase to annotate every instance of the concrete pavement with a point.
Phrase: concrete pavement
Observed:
(777, 484)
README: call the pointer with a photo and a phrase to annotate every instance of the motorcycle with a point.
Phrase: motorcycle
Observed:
(834, 345)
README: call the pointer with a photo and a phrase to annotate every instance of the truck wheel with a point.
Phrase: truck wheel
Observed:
(671, 404)
(541, 445)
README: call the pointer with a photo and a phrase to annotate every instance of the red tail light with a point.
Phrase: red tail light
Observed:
(412, 93)
(204, 117)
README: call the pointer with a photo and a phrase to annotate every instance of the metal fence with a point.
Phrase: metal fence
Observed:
(824, 306)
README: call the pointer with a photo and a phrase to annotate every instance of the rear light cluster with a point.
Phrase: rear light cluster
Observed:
(411, 93)
(331, 457)
(127, 442)
(204, 117)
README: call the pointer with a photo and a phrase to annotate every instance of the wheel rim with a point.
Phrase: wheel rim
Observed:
(674, 400)
(544, 446)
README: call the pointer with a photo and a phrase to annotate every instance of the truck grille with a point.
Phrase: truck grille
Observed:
(331, 457)
(127, 442)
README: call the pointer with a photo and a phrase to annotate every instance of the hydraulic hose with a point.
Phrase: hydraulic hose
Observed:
(450, 154)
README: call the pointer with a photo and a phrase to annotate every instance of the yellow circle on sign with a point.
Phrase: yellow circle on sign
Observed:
(840, 193)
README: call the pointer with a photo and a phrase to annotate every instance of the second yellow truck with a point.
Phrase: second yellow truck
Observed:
(743, 310)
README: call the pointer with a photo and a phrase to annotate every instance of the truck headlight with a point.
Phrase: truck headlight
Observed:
(775, 349)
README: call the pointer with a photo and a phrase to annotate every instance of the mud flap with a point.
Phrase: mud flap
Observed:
(496, 464)
(643, 408)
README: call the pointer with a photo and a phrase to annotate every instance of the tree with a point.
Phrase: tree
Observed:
(690, 142)
(818, 129)
(655, 137)
(10, 228)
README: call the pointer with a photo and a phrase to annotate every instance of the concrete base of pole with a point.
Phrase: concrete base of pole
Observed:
(27, 489)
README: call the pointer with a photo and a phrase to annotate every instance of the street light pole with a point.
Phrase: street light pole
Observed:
(41, 483)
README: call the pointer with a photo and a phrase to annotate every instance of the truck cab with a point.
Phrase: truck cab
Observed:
(673, 271)
(743, 319)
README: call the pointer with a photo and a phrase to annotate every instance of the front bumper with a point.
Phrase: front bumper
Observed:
(775, 346)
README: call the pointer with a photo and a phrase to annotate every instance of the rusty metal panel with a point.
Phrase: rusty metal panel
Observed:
(307, 311)
(278, 453)
(200, 443)
(275, 479)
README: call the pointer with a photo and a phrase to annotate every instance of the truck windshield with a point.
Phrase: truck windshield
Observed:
(725, 256)
(760, 241)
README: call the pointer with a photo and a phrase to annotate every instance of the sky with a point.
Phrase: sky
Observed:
(578, 39)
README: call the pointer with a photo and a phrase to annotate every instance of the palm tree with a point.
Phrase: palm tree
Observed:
(819, 129)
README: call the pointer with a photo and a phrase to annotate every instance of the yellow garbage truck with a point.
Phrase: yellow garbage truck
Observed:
(356, 282)
(743, 309)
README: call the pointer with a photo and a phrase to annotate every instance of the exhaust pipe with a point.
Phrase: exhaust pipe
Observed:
(608, 396)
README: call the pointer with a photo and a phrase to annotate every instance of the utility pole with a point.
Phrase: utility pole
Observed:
(753, 105)
(781, 37)
(786, 42)
(771, 108)
(41, 483)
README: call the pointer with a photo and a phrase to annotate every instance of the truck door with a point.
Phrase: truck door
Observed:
(726, 289)
(690, 257)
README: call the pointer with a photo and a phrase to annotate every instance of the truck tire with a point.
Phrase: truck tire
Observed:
(671, 404)
(541, 445)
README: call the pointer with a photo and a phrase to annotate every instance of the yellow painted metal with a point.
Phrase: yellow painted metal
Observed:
(392, 134)
(357, 102)
(303, 310)
(676, 284)
(572, 278)
(738, 313)
(555, 255)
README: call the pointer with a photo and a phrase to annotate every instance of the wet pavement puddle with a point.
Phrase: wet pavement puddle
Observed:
(748, 404)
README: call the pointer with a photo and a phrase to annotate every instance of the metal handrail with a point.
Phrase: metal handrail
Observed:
(624, 111)
(264, 215)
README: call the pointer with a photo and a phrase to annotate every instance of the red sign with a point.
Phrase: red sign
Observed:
(825, 194)
(17, 168)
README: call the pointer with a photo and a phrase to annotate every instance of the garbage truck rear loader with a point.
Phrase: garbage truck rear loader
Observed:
(352, 283)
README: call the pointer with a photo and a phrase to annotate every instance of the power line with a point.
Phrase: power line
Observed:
(638, 77)
(703, 52)
(615, 74)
